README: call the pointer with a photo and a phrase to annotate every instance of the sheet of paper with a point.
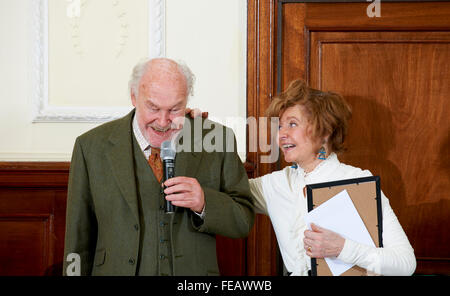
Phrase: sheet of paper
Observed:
(339, 214)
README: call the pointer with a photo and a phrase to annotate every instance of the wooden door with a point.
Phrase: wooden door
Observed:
(395, 72)
(32, 218)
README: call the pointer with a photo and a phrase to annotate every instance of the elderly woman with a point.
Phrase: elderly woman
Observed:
(313, 126)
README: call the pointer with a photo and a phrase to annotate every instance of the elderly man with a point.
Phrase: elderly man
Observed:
(116, 221)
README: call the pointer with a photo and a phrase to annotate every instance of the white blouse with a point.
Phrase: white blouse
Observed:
(280, 196)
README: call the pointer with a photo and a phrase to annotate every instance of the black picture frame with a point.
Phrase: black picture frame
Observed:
(310, 202)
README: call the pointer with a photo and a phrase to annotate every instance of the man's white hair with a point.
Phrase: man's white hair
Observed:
(141, 68)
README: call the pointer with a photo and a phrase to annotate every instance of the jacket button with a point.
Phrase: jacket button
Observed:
(136, 227)
(131, 261)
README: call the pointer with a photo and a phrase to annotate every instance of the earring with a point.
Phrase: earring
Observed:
(322, 153)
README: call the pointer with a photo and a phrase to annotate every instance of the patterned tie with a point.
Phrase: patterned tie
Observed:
(155, 162)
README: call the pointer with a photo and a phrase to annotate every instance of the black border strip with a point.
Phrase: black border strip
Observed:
(380, 212)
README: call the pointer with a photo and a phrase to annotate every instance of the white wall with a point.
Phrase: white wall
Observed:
(209, 35)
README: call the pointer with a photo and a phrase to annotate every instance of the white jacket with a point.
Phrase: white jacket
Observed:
(280, 196)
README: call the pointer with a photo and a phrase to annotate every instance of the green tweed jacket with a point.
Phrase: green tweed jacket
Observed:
(103, 223)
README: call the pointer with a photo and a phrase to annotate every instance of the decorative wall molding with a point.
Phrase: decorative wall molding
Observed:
(75, 9)
(42, 110)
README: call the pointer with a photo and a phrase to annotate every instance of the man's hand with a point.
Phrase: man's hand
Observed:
(185, 192)
(321, 242)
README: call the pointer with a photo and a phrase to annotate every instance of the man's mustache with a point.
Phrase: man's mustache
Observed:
(176, 124)
(160, 129)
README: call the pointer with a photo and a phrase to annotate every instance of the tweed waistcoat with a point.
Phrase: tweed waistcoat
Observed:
(155, 243)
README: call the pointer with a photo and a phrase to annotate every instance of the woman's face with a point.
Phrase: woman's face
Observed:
(293, 137)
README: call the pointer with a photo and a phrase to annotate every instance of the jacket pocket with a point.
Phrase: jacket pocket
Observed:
(100, 256)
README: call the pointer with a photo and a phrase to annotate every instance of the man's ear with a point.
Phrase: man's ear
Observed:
(133, 98)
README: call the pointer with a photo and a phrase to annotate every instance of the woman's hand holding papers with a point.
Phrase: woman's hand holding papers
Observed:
(320, 242)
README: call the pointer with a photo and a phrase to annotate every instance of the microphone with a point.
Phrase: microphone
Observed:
(168, 157)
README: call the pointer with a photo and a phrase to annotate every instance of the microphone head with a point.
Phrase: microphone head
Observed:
(167, 150)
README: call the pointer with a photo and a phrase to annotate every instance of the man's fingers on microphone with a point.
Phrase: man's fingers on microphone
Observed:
(177, 197)
(182, 187)
(183, 203)
(176, 180)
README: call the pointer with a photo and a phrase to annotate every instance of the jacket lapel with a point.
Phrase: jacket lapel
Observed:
(120, 157)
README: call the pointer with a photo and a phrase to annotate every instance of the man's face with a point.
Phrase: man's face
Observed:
(161, 104)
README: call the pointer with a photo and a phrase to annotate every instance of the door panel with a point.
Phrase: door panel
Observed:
(395, 83)
(394, 72)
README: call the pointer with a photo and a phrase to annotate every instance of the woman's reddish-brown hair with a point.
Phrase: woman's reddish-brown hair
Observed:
(327, 112)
